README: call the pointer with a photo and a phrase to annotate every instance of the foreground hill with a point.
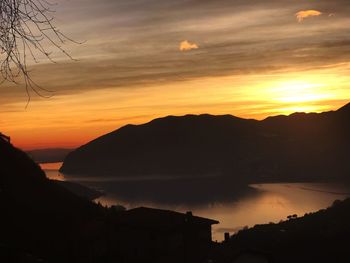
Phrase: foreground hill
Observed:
(296, 147)
(316, 237)
(41, 221)
(39, 218)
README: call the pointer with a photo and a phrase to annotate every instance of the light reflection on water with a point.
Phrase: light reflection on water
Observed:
(51, 171)
(271, 203)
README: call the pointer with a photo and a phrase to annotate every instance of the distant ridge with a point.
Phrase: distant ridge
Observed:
(301, 146)
(50, 155)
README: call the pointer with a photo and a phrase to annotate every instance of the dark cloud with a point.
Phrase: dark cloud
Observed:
(135, 43)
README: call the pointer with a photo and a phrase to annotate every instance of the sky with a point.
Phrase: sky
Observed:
(142, 59)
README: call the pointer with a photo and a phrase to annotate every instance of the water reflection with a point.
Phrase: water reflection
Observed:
(235, 206)
(51, 171)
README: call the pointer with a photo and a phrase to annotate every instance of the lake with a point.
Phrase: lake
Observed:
(206, 197)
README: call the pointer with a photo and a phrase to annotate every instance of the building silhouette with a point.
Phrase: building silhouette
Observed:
(155, 235)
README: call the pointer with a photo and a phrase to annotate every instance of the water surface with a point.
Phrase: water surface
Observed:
(234, 208)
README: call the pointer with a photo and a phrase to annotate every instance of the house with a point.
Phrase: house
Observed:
(155, 235)
(244, 256)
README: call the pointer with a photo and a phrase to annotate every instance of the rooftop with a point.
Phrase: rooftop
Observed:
(152, 217)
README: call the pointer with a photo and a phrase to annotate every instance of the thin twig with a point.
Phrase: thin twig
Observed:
(25, 27)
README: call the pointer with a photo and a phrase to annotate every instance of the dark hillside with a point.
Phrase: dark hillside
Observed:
(38, 216)
(299, 147)
(318, 237)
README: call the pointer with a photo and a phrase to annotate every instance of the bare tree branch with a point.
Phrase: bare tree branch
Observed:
(25, 27)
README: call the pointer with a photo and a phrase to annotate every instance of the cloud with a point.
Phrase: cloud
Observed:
(120, 52)
(186, 46)
(301, 15)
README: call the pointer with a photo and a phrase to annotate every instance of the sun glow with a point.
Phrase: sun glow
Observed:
(71, 120)
(300, 91)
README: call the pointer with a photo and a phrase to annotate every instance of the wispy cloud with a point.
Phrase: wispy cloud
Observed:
(187, 46)
(301, 15)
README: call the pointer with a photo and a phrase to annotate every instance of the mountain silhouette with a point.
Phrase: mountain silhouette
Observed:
(38, 216)
(50, 155)
(301, 146)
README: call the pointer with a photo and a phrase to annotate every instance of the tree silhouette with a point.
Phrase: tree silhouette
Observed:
(26, 31)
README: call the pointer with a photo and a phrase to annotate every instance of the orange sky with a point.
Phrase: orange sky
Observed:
(71, 120)
(140, 61)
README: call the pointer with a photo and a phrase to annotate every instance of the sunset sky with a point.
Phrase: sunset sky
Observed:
(143, 59)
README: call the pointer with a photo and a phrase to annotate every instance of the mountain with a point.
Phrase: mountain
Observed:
(297, 147)
(51, 155)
